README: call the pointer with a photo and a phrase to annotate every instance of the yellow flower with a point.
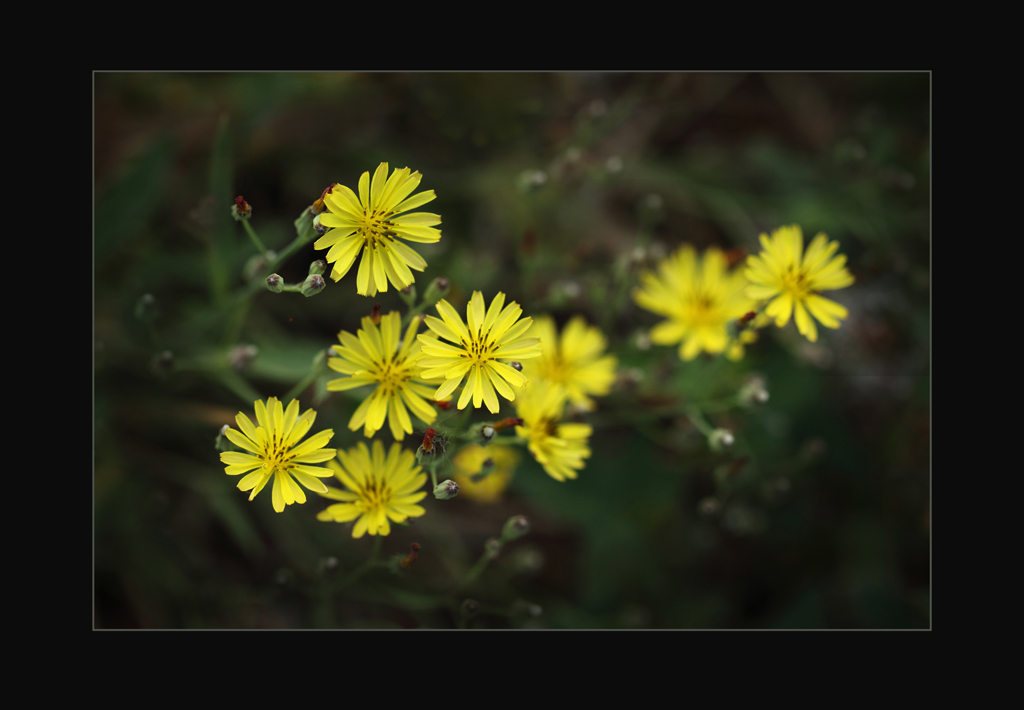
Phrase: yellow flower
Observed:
(470, 460)
(376, 356)
(559, 447)
(575, 361)
(792, 278)
(275, 453)
(374, 223)
(379, 489)
(700, 298)
(477, 349)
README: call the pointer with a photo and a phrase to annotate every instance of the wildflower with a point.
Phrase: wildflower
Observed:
(375, 355)
(577, 361)
(792, 278)
(379, 489)
(374, 223)
(700, 298)
(470, 462)
(477, 349)
(559, 447)
(275, 451)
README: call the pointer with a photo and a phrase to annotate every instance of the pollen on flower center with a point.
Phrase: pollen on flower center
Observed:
(795, 281)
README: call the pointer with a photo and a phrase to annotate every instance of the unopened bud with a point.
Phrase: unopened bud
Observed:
(470, 608)
(317, 267)
(313, 285)
(709, 506)
(492, 548)
(375, 314)
(446, 490)
(517, 366)
(241, 355)
(162, 363)
(753, 392)
(320, 229)
(720, 439)
(221, 443)
(487, 432)
(146, 308)
(437, 290)
(408, 294)
(275, 284)
(515, 528)
(257, 263)
(241, 209)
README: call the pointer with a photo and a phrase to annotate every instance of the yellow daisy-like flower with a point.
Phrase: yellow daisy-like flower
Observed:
(575, 361)
(700, 298)
(379, 489)
(477, 349)
(793, 278)
(276, 452)
(559, 447)
(470, 460)
(374, 223)
(375, 355)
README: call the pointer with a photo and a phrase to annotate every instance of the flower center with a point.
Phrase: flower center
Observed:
(794, 281)
(554, 369)
(478, 349)
(374, 495)
(702, 309)
(276, 455)
(376, 227)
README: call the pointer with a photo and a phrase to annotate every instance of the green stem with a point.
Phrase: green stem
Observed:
(255, 239)
(699, 421)
(299, 387)
(478, 568)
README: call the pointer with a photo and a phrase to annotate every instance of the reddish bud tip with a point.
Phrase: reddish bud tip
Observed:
(428, 440)
(414, 552)
(505, 423)
(445, 406)
(242, 205)
(375, 314)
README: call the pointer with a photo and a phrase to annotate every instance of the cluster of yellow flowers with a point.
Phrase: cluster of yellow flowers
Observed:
(495, 352)
(701, 297)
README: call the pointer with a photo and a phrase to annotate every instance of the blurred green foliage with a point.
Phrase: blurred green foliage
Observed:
(557, 189)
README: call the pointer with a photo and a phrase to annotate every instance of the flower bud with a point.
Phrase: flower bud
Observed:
(313, 285)
(487, 432)
(492, 547)
(162, 364)
(146, 308)
(241, 209)
(221, 443)
(275, 284)
(256, 264)
(720, 439)
(375, 314)
(437, 290)
(446, 490)
(470, 608)
(317, 267)
(515, 528)
(753, 392)
(408, 295)
(241, 355)
(320, 229)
